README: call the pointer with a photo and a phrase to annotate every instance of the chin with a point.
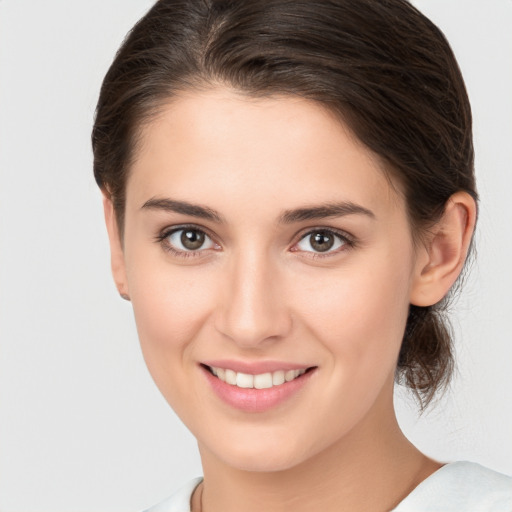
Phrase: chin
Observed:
(262, 463)
(268, 455)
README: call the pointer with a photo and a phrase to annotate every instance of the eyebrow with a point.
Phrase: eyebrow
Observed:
(324, 211)
(183, 207)
(287, 217)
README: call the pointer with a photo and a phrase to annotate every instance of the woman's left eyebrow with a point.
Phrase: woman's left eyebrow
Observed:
(323, 211)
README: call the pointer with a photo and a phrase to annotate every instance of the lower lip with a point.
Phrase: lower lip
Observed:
(256, 400)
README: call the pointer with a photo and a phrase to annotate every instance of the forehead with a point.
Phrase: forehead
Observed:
(220, 144)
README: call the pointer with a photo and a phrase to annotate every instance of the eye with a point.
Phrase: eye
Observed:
(322, 241)
(187, 240)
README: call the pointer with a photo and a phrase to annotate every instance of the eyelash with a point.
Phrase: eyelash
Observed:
(347, 240)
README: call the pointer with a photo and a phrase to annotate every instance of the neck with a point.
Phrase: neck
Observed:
(373, 468)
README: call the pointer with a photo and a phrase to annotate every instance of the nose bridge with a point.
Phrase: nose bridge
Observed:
(253, 308)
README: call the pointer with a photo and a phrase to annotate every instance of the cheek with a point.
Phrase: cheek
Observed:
(359, 323)
(359, 314)
(171, 305)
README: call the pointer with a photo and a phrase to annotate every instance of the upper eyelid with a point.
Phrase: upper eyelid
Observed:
(338, 232)
(165, 232)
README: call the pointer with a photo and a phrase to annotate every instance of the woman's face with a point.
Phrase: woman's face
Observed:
(262, 238)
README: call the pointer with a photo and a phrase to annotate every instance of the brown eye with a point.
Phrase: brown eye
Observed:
(321, 241)
(192, 239)
(188, 240)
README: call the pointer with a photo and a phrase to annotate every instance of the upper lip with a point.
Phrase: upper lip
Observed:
(255, 367)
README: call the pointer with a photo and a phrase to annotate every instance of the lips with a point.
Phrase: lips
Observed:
(255, 387)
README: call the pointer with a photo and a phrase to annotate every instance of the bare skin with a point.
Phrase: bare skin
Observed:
(258, 180)
(355, 475)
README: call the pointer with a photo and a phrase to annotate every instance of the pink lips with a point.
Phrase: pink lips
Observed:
(255, 400)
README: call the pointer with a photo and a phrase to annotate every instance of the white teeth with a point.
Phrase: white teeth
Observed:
(260, 381)
(230, 377)
(278, 378)
(263, 381)
(290, 375)
(244, 380)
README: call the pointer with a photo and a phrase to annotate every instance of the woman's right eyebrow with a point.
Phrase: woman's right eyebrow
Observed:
(183, 207)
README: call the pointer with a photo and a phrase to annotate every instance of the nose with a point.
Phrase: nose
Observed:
(252, 310)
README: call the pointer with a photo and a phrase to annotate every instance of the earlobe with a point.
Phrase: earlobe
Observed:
(116, 249)
(444, 254)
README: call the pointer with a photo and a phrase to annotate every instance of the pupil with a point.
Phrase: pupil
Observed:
(192, 239)
(322, 242)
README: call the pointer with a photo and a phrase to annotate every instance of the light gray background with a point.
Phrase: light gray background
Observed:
(82, 427)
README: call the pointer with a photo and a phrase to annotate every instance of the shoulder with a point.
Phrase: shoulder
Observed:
(179, 501)
(461, 486)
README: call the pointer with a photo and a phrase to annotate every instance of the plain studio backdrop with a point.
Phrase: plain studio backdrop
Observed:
(82, 426)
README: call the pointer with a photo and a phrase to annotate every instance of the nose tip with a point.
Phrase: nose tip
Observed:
(253, 308)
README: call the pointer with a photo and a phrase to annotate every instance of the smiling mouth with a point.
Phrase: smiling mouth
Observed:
(259, 381)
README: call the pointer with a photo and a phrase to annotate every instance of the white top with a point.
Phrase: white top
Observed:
(460, 486)
(456, 487)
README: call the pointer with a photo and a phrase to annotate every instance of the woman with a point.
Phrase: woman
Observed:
(289, 195)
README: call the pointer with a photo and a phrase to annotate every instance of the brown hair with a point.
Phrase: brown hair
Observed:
(384, 68)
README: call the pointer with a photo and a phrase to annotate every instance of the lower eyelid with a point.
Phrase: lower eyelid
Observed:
(182, 254)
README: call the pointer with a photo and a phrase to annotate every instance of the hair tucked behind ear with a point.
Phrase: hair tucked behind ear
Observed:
(426, 362)
(380, 65)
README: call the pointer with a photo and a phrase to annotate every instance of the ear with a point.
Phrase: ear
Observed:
(441, 259)
(116, 249)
